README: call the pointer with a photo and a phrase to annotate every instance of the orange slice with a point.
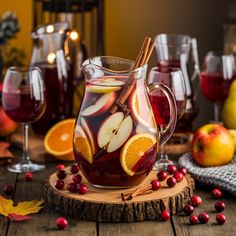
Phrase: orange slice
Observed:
(59, 140)
(134, 149)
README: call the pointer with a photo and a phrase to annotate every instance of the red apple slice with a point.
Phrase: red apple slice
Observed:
(102, 105)
(114, 131)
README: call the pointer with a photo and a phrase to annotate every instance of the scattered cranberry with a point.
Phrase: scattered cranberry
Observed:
(193, 220)
(171, 182)
(196, 201)
(155, 184)
(61, 174)
(178, 176)
(216, 193)
(28, 176)
(77, 178)
(203, 218)
(165, 215)
(183, 170)
(60, 166)
(188, 210)
(220, 218)
(219, 206)
(82, 188)
(8, 189)
(74, 169)
(162, 175)
(62, 223)
(59, 184)
(72, 187)
(171, 169)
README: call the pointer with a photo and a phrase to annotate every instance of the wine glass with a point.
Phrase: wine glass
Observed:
(173, 78)
(23, 100)
(217, 74)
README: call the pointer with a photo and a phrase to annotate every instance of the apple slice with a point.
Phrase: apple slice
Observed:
(90, 134)
(102, 105)
(114, 131)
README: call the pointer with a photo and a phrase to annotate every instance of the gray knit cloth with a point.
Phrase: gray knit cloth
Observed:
(223, 177)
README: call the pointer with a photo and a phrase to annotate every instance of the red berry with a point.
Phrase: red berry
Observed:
(219, 206)
(171, 169)
(183, 170)
(171, 182)
(196, 201)
(193, 220)
(74, 169)
(162, 175)
(178, 176)
(216, 193)
(61, 174)
(165, 215)
(188, 210)
(8, 189)
(155, 184)
(82, 188)
(203, 218)
(77, 178)
(59, 184)
(220, 218)
(60, 166)
(28, 176)
(62, 223)
(72, 187)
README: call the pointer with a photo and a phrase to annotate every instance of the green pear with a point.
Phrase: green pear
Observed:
(229, 108)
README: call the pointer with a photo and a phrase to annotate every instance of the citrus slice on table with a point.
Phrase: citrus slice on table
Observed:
(134, 149)
(59, 140)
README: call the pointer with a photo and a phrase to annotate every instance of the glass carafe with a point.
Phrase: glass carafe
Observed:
(176, 50)
(116, 139)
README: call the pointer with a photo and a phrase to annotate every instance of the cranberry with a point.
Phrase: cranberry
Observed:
(183, 170)
(62, 223)
(171, 182)
(219, 206)
(193, 220)
(74, 169)
(220, 218)
(196, 201)
(165, 215)
(171, 169)
(61, 174)
(28, 176)
(72, 187)
(77, 178)
(203, 218)
(82, 188)
(162, 175)
(178, 176)
(60, 166)
(8, 189)
(216, 193)
(59, 184)
(155, 184)
(188, 210)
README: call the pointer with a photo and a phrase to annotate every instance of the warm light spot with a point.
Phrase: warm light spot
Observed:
(50, 29)
(51, 57)
(65, 137)
(74, 35)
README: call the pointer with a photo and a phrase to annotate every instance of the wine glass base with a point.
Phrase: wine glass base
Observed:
(25, 167)
(162, 164)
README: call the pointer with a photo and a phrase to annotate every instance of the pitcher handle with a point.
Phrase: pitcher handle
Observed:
(167, 131)
(196, 71)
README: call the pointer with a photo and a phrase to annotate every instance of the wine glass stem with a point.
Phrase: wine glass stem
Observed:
(163, 155)
(217, 111)
(26, 143)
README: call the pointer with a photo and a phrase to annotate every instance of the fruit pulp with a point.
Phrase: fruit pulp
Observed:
(100, 136)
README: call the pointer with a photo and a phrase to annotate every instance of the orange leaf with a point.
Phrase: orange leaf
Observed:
(4, 152)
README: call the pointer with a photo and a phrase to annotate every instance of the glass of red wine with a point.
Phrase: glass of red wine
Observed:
(216, 77)
(23, 100)
(173, 78)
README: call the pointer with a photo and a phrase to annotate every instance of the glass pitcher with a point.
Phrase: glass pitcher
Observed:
(53, 52)
(174, 50)
(116, 139)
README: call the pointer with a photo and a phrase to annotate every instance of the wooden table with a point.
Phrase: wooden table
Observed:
(43, 223)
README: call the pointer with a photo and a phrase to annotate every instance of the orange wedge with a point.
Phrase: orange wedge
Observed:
(59, 140)
(134, 149)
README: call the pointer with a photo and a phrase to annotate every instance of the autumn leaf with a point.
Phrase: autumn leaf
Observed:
(21, 210)
(4, 152)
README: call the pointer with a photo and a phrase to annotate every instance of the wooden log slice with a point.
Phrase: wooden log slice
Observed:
(106, 205)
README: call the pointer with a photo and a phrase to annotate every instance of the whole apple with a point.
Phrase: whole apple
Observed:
(212, 145)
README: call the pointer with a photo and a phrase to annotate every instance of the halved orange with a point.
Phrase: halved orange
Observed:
(59, 140)
(134, 149)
